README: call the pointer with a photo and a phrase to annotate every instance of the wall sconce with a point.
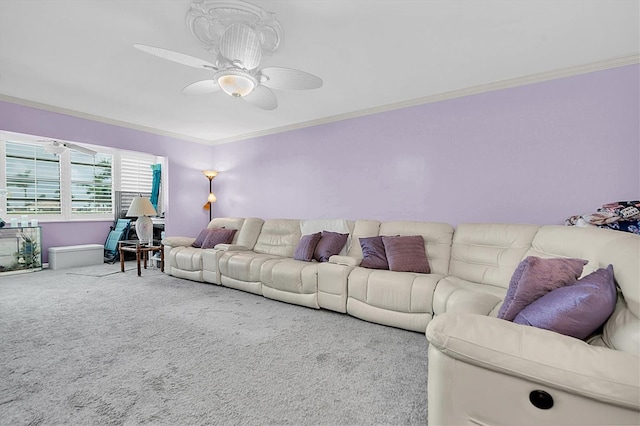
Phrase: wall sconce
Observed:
(210, 174)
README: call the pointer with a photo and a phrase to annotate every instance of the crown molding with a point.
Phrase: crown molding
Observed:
(475, 90)
(104, 120)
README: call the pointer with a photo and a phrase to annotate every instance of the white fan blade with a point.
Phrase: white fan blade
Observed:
(240, 43)
(80, 148)
(262, 97)
(201, 87)
(180, 58)
(289, 79)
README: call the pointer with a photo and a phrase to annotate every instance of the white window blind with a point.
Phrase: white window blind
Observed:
(32, 179)
(136, 174)
(91, 183)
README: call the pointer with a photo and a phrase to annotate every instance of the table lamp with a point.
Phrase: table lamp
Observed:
(142, 208)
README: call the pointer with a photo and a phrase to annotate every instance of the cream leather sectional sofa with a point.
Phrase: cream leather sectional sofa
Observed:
(482, 370)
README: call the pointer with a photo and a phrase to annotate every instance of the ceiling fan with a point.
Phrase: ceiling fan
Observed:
(236, 72)
(58, 147)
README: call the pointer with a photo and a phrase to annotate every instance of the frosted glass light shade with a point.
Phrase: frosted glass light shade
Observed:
(236, 83)
(212, 198)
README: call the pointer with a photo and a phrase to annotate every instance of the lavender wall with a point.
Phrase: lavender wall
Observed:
(532, 154)
(187, 186)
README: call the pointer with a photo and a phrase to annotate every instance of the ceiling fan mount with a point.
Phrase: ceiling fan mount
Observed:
(207, 21)
(239, 33)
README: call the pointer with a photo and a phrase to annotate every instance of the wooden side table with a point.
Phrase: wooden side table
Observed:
(142, 250)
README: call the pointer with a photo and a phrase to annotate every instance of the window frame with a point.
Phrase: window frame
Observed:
(66, 214)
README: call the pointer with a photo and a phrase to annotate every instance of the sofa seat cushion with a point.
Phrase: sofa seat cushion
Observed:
(186, 258)
(243, 265)
(291, 281)
(406, 292)
(454, 294)
(407, 321)
(293, 276)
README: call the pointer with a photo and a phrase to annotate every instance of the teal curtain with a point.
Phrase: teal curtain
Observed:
(155, 189)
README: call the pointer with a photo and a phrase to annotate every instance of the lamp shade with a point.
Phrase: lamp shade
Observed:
(141, 206)
(210, 174)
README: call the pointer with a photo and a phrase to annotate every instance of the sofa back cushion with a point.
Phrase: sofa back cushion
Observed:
(228, 223)
(437, 240)
(374, 256)
(218, 236)
(489, 253)
(406, 254)
(602, 247)
(248, 234)
(364, 229)
(201, 237)
(330, 244)
(341, 226)
(306, 247)
(278, 237)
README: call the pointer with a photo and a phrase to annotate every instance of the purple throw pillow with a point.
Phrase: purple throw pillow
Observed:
(373, 254)
(533, 278)
(406, 254)
(200, 238)
(306, 247)
(576, 310)
(330, 243)
(218, 236)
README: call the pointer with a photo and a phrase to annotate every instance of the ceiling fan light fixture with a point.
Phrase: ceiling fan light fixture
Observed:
(236, 83)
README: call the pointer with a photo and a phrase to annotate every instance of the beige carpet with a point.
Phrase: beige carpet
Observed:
(90, 346)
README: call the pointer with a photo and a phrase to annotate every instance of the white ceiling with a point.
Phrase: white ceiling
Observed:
(77, 56)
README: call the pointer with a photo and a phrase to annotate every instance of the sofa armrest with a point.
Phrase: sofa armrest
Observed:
(539, 356)
(231, 247)
(178, 241)
(345, 260)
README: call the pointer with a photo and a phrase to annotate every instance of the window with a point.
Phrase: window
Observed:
(71, 185)
(91, 183)
(32, 179)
